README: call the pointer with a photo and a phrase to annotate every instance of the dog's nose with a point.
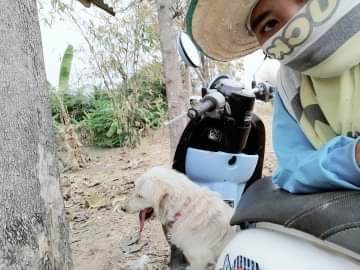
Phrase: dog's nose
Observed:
(123, 208)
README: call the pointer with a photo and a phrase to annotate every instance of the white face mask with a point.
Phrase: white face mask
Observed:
(314, 33)
(292, 34)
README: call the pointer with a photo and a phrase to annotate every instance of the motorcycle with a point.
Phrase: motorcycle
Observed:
(223, 148)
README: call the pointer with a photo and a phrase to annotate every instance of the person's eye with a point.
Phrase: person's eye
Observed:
(269, 26)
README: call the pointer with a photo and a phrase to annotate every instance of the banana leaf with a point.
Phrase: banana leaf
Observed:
(65, 70)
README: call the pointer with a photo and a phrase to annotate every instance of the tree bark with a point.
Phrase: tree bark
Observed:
(205, 68)
(187, 81)
(34, 232)
(176, 95)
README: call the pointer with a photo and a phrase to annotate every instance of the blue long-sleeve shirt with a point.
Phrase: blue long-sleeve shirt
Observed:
(302, 168)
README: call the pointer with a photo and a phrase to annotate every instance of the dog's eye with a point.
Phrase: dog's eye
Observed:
(139, 196)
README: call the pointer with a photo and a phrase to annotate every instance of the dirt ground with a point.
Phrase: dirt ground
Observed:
(99, 231)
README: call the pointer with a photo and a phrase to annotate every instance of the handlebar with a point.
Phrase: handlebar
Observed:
(231, 90)
(264, 92)
(204, 106)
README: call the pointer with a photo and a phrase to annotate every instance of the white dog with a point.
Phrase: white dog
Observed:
(197, 219)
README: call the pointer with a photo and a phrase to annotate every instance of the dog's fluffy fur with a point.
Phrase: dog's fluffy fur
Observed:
(197, 219)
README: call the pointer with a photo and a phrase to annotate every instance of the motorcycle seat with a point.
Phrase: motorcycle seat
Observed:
(331, 216)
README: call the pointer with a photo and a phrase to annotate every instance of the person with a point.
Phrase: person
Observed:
(316, 120)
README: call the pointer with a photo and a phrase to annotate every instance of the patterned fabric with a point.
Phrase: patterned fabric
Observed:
(319, 81)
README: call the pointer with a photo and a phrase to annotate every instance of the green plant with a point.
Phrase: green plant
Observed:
(102, 125)
(77, 105)
(141, 107)
(76, 158)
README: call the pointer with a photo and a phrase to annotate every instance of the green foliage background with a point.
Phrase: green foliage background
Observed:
(102, 122)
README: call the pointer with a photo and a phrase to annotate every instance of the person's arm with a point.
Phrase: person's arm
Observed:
(303, 169)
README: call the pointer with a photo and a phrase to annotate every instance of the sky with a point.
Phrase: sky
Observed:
(55, 40)
(62, 33)
(254, 64)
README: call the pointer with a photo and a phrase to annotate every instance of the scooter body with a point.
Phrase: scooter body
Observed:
(271, 248)
(209, 154)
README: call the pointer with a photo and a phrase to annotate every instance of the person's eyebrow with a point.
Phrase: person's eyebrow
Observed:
(259, 19)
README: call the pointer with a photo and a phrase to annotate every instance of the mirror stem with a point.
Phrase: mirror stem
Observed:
(198, 72)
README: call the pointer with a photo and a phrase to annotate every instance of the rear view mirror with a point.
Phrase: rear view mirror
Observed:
(188, 51)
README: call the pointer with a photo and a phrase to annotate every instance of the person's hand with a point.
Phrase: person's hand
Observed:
(357, 154)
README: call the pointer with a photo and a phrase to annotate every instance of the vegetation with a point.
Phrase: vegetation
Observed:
(100, 123)
(76, 159)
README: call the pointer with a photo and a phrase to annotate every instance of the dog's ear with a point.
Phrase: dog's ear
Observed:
(162, 201)
(163, 193)
(161, 209)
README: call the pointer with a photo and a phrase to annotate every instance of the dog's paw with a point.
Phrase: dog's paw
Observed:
(118, 204)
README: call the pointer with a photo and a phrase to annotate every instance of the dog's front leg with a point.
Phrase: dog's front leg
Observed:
(200, 261)
(201, 266)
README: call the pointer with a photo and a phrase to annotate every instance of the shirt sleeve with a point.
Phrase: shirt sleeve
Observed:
(303, 169)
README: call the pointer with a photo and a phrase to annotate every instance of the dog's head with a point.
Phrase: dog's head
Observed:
(151, 190)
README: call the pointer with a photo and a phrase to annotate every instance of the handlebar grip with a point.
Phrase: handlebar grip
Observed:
(264, 94)
(201, 108)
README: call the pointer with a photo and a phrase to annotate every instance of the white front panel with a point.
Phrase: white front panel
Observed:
(263, 249)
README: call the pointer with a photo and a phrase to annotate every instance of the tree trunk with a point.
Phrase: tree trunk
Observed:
(176, 95)
(34, 233)
(205, 68)
(187, 81)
